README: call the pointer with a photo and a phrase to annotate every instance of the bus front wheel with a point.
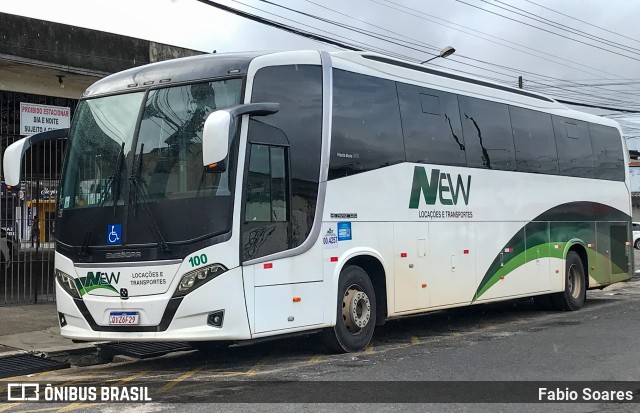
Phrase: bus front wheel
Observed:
(356, 312)
(575, 289)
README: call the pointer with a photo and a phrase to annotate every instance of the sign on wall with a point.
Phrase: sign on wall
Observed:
(41, 118)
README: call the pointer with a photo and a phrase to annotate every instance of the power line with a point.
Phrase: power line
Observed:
(515, 70)
(582, 21)
(342, 42)
(397, 42)
(579, 84)
(521, 71)
(475, 33)
(609, 91)
(280, 26)
(548, 31)
(567, 102)
(589, 94)
(561, 26)
(345, 45)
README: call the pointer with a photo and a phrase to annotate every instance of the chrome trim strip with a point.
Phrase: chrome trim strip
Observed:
(327, 108)
(125, 264)
(327, 105)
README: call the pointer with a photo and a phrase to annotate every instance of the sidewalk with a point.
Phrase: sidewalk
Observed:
(34, 329)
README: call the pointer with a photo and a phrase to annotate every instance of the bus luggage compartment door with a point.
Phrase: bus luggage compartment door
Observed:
(281, 307)
(407, 294)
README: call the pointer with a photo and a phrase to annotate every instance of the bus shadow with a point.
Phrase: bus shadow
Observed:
(239, 359)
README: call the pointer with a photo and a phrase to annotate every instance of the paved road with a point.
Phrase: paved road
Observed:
(505, 341)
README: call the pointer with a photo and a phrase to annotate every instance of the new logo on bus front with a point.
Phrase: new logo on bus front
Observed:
(440, 186)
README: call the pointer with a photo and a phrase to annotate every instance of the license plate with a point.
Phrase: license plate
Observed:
(124, 317)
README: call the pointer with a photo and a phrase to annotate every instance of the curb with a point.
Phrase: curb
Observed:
(78, 357)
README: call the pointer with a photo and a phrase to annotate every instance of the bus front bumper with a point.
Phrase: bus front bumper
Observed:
(162, 318)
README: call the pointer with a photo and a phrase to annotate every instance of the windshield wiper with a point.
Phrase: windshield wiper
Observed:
(84, 249)
(113, 183)
(140, 190)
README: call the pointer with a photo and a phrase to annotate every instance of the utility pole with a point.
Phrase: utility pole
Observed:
(520, 82)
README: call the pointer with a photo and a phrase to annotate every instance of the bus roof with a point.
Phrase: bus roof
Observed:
(185, 69)
(207, 66)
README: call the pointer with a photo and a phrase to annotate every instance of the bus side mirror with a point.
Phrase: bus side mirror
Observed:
(12, 160)
(220, 127)
(215, 139)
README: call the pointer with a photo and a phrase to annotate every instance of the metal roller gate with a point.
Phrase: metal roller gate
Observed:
(27, 213)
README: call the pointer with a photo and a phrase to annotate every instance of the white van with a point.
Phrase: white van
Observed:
(636, 234)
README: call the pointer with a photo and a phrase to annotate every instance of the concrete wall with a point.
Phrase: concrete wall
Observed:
(77, 47)
(33, 53)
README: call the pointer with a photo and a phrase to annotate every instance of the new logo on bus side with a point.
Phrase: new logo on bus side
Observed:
(97, 279)
(440, 187)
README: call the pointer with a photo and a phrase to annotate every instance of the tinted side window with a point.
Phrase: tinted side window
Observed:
(431, 126)
(487, 134)
(607, 152)
(574, 147)
(267, 185)
(298, 125)
(366, 124)
(266, 226)
(534, 141)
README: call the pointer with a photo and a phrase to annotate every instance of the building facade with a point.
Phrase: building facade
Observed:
(44, 69)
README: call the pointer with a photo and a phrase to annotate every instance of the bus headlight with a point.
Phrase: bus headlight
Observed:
(194, 279)
(68, 283)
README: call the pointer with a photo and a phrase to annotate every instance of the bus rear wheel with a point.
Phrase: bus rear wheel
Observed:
(575, 289)
(356, 312)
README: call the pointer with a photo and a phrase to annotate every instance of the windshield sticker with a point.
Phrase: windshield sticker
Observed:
(344, 231)
(330, 238)
(114, 234)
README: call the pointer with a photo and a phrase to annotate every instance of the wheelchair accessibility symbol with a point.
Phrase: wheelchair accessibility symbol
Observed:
(114, 234)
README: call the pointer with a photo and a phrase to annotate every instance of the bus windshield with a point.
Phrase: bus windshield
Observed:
(164, 160)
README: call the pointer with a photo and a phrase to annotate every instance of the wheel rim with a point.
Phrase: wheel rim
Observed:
(574, 281)
(356, 309)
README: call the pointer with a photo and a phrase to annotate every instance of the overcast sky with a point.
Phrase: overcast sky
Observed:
(486, 44)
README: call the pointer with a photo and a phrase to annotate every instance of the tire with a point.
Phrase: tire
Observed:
(355, 312)
(575, 291)
(636, 244)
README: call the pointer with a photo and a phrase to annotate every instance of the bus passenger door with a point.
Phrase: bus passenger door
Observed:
(405, 254)
(281, 193)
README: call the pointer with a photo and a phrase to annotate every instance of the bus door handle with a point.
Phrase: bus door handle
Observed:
(453, 263)
(422, 247)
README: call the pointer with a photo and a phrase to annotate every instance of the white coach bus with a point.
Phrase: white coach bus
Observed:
(241, 196)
